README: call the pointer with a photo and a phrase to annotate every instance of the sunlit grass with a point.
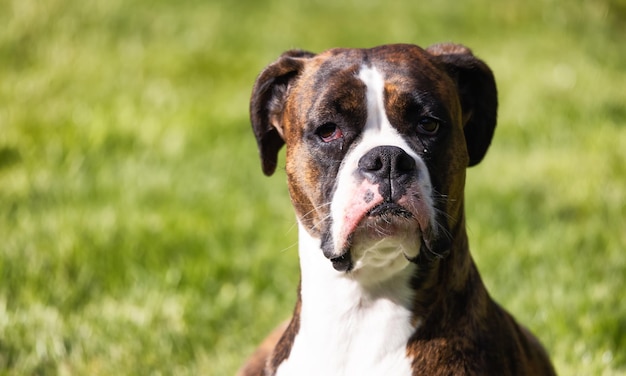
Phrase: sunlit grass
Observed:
(139, 236)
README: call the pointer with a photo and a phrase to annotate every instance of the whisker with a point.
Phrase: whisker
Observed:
(442, 213)
(293, 245)
(305, 215)
(292, 227)
(311, 212)
(315, 225)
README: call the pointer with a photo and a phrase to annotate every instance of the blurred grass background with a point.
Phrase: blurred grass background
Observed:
(138, 235)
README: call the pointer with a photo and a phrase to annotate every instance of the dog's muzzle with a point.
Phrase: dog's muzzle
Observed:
(389, 170)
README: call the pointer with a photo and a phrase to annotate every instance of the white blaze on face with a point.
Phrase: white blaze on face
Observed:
(348, 206)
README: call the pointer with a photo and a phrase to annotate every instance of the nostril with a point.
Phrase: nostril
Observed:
(372, 163)
(404, 163)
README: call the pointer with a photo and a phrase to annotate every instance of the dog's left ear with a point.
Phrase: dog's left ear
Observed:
(267, 104)
(478, 94)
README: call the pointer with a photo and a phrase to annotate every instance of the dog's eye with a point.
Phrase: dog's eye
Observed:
(428, 126)
(329, 132)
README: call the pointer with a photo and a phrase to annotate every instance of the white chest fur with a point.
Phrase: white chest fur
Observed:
(347, 328)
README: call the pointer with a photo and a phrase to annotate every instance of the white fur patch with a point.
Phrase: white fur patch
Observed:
(345, 327)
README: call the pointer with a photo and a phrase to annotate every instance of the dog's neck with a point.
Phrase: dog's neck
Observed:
(348, 327)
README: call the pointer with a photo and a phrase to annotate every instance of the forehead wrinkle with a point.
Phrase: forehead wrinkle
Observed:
(339, 94)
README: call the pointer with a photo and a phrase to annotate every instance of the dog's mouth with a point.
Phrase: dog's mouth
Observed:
(388, 208)
(385, 220)
(388, 211)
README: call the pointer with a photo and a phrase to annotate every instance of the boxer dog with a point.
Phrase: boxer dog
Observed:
(378, 141)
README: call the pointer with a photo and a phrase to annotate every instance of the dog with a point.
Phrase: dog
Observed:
(377, 145)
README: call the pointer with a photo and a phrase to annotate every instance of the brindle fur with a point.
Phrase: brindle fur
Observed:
(463, 331)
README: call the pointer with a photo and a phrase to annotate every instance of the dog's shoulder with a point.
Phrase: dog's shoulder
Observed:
(256, 363)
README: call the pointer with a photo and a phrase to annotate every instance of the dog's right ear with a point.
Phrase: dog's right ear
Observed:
(268, 101)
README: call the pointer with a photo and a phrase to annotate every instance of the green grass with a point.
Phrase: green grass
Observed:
(138, 235)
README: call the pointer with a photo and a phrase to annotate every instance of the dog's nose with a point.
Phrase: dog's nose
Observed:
(386, 162)
(389, 167)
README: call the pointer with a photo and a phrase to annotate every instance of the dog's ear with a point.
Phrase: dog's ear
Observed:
(478, 94)
(267, 103)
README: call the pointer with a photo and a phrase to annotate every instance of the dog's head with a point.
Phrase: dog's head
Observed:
(378, 141)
